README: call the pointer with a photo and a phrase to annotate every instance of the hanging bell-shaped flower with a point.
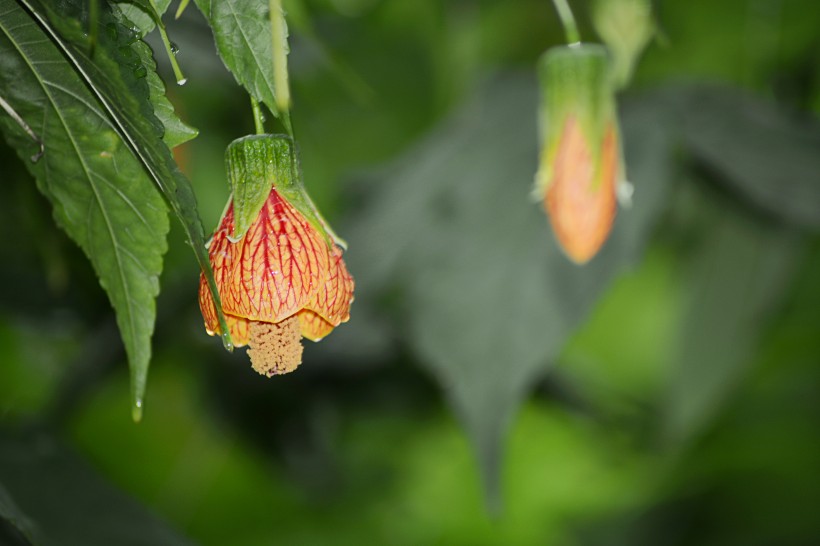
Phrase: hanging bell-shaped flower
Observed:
(581, 162)
(277, 265)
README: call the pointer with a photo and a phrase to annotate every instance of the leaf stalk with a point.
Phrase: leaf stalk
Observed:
(169, 49)
(567, 21)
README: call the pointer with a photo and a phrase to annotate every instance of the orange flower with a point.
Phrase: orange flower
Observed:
(581, 160)
(581, 208)
(281, 280)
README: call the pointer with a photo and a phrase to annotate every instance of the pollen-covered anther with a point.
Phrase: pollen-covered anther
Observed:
(275, 348)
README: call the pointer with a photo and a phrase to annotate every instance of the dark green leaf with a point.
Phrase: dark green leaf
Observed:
(146, 8)
(115, 79)
(142, 14)
(741, 270)
(67, 504)
(175, 131)
(102, 196)
(768, 156)
(242, 31)
(11, 513)
(127, 106)
(489, 298)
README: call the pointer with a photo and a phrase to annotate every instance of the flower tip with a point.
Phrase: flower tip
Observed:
(581, 234)
(581, 201)
(580, 255)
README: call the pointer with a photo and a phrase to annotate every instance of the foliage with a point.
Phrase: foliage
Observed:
(242, 31)
(664, 393)
(97, 185)
(33, 463)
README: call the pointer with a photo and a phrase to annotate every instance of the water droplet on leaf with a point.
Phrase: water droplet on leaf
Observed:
(136, 411)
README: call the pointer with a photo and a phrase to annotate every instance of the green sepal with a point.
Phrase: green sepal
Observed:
(258, 163)
(575, 80)
(253, 163)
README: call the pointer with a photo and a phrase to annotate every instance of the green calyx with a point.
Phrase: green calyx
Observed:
(257, 164)
(576, 83)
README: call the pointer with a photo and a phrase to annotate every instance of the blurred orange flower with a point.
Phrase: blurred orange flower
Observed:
(581, 206)
(581, 163)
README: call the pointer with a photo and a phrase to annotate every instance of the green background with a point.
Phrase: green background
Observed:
(485, 391)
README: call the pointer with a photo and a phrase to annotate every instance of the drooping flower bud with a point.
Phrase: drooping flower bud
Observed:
(580, 163)
(278, 269)
(625, 26)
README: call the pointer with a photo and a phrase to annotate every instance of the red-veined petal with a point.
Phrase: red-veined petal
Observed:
(332, 300)
(275, 269)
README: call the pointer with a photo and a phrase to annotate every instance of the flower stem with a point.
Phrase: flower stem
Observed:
(169, 49)
(258, 117)
(568, 21)
(280, 58)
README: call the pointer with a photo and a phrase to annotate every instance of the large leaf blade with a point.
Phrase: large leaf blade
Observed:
(762, 152)
(21, 528)
(114, 77)
(739, 274)
(101, 195)
(115, 80)
(489, 297)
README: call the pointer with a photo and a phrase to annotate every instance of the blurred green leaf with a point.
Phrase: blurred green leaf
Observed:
(740, 272)
(762, 152)
(626, 27)
(751, 477)
(746, 42)
(242, 31)
(11, 513)
(60, 502)
(489, 298)
(101, 195)
(35, 356)
(383, 473)
(620, 357)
